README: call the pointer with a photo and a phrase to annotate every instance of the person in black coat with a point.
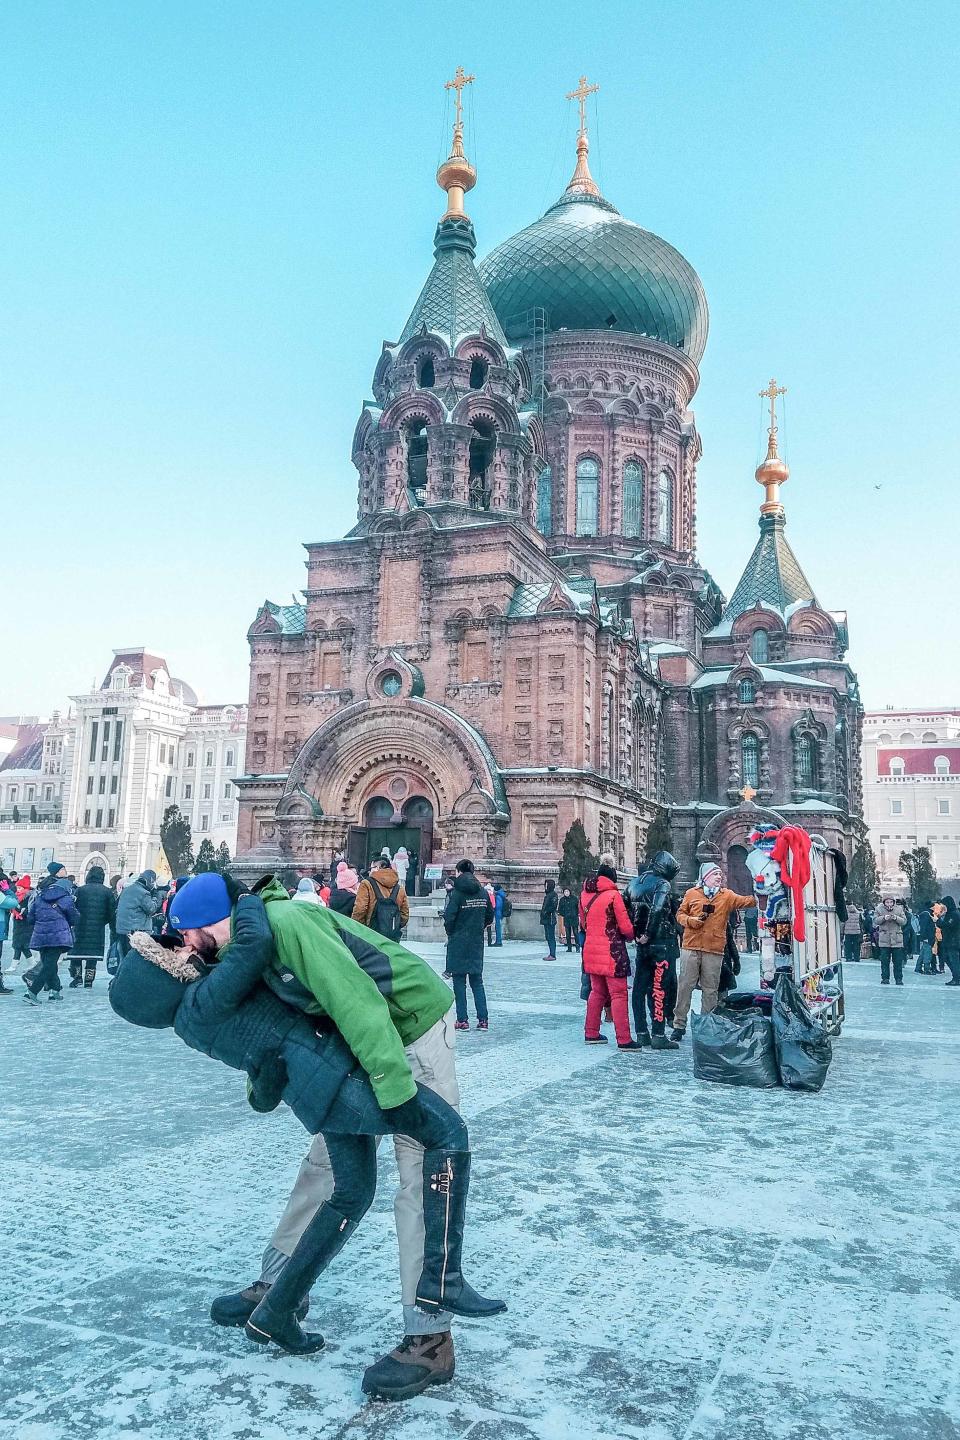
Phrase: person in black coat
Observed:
(569, 911)
(97, 906)
(548, 917)
(649, 903)
(226, 1011)
(466, 916)
(950, 938)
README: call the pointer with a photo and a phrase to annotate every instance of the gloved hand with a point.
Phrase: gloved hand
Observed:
(235, 888)
(266, 1086)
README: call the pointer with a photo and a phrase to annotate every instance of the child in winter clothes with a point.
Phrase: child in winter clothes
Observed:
(608, 927)
(704, 912)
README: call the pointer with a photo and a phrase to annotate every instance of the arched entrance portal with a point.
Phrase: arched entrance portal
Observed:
(384, 825)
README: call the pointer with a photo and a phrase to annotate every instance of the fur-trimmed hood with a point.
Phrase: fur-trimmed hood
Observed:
(151, 982)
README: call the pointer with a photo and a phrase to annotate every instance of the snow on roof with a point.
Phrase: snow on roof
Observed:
(710, 679)
(27, 753)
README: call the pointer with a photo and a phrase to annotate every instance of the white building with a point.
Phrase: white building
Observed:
(911, 788)
(94, 788)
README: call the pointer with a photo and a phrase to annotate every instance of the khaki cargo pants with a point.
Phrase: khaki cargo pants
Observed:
(697, 967)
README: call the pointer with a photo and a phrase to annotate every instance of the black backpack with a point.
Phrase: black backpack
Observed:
(386, 913)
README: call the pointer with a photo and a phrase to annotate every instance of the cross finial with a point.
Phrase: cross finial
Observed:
(771, 393)
(459, 81)
(580, 94)
(747, 793)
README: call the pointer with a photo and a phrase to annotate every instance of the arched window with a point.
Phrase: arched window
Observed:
(941, 765)
(588, 496)
(750, 760)
(417, 458)
(378, 811)
(478, 374)
(748, 692)
(665, 507)
(482, 448)
(807, 763)
(760, 647)
(633, 498)
(427, 378)
(545, 501)
(896, 766)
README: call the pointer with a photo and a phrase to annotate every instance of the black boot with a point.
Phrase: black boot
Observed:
(677, 1035)
(237, 1307)
(446, 1180)
(275, 1318)
(89, 975)
(660, 1042)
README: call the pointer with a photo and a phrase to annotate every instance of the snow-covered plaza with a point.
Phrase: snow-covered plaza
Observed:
(681, 1260)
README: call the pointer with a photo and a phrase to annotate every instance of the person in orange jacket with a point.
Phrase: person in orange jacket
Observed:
(704, 912)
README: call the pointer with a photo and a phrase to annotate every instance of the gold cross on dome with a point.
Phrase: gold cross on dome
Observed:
(748, 793)
(458, 82)
(771, 393)
(580, 94)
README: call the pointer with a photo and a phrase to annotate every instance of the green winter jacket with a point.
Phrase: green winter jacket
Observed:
(380, 996)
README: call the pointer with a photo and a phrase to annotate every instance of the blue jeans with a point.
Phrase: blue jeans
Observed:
(498, 927)
(550, 931)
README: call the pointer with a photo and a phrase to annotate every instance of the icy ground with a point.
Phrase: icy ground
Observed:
(682, 1260)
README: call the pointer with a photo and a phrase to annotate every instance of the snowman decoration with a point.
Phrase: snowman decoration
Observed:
(774, 912)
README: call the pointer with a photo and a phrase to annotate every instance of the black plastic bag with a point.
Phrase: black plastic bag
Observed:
(734, 1047)
(804, 1050)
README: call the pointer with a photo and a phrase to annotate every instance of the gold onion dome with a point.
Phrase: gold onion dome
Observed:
(456, 175)
(772, 472)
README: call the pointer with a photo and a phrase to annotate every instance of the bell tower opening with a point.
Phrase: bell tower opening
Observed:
(427, 377)
(417, 459)
(478, 373)
(482, 448)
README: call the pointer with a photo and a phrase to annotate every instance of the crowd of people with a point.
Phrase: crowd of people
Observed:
(894, 934)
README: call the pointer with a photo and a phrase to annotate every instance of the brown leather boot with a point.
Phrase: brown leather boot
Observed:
(418, 1361)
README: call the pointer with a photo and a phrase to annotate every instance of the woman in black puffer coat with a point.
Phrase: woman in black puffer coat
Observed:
(97, 905)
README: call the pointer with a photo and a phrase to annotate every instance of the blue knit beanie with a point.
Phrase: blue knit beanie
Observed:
(54, 867)
(202, 901)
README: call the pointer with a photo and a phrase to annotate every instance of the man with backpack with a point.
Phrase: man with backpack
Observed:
(382, 903)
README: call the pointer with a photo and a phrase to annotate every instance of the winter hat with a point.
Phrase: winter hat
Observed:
(147, 877)
(95, 875)
(306, 887)
(606, 870)
(55, 867)
(710, 867)
(202, 901)
(347, 879)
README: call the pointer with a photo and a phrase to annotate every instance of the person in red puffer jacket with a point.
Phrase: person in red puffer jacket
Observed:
(607, 927)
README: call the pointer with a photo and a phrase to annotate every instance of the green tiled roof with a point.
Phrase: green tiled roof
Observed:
(453, 304)
(590, 269)
(773, 576)
(292, 619)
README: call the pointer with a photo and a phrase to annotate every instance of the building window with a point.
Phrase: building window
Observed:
(943, 807)
(191, 759)
(207, 792)
(163, 754)
(188, 791)
(99, 824)
(208, 759)
(113, 784)
(482, 449)
(417, 458)
(633, 498)
(896, 766)
(896, 807)
(428, 377)
(89, 784)
(227, 790)
(748, 692)
(941, 765)
(478, 373)
(93, 739)
(390, 684)
(117, 739)
(760, 647)
(111, 819)
(588, 496)
(86, 817)
(105, 748)
(204, 822)
(750, 760)
(102, 786)
(48, 792)
(807, 762)
(119, 679)
(545, 501)
(229, 760)
(665, 507)
(168, 788)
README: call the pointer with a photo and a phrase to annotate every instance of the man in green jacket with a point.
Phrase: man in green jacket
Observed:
(395, 1014)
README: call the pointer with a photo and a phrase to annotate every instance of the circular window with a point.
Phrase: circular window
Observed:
(390, 683)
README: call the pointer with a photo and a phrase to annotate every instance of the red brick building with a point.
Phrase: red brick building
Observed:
(517, 632)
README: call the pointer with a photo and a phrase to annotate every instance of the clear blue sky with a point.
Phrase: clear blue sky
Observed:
(215, 213)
